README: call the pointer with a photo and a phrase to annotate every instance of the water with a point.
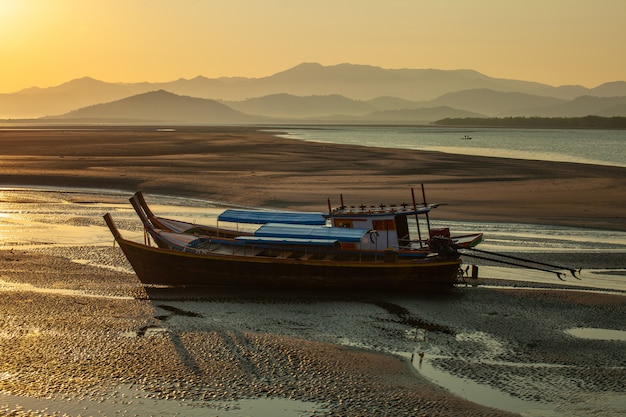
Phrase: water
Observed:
(45, 218)
(598, 147)
(469, 390)
(522, 237)
(51, 219)
(598, 334)
(589, 146)
(54, 219)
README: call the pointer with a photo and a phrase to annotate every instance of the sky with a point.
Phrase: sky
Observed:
(45, 43)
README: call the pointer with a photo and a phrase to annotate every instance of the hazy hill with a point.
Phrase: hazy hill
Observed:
(614, 111)
(37, 102)
(493, 103)
(355, 82)
(290, 106)
(165, 107)
(611, 89)
(364, 82)
(510, 104)
(393, 103)
(579, 107)
(417, 116)
(158, 107)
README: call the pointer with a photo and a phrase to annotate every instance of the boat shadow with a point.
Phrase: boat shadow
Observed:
(170, 304)
(256, 295)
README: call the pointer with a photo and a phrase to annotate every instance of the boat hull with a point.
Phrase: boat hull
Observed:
(158, 266)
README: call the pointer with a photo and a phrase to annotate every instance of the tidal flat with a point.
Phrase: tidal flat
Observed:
(79, 335)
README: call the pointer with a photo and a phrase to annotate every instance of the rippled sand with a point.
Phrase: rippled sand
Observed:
(72, 346)
(80, 336)
(74, 335)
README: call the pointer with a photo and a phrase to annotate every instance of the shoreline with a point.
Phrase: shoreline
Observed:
(80, 332)
(246, 167)
(346, 356)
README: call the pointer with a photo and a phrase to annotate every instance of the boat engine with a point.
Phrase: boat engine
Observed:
(444, 246)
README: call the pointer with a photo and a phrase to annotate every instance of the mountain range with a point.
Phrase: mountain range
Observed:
(312, 93)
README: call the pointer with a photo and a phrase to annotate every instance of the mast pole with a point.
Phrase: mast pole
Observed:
(427, 218)
(417, 219)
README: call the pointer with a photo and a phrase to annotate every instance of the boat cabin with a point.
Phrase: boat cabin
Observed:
(389, 225)
(372, 228)
(314, 230)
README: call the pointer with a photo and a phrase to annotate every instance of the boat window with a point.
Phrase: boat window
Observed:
(384, 225)
(343, 223)
(402, 226)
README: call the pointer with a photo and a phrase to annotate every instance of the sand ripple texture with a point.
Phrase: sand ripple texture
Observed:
(76, 334)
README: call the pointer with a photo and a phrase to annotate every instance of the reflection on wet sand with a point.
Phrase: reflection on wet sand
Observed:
(598, 334)
(108, 346)
(55, 219)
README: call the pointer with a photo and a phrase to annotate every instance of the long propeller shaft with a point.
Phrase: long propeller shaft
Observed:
(573, 271)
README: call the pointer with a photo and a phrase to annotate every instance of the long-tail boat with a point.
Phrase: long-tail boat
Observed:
(365, 248)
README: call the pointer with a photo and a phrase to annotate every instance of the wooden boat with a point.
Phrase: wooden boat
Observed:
(391, 221)
(287, 252)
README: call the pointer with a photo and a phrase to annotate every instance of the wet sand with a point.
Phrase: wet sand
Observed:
(92, 336)
(78, 336)
(242, 166)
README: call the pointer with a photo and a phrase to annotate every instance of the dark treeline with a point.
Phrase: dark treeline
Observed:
(587, 122)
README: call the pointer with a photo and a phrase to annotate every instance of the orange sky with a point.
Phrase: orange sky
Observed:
(47, 42)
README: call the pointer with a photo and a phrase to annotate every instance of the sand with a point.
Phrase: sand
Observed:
(243, 166)
(88, 340)
(84, 340)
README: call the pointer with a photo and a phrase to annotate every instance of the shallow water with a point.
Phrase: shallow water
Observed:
(54, 218)
(66, 219)
(597, 334)
(44, 216)
(590, 146)
(470, 390)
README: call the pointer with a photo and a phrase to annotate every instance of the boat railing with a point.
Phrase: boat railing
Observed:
(250, 246)
(299, 252)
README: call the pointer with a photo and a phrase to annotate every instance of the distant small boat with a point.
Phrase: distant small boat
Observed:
(364, 248)
(466, 137)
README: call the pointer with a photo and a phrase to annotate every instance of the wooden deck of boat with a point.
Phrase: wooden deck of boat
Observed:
(300, 254)
(250, 251)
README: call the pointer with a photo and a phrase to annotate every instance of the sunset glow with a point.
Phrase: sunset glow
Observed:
(47, 42)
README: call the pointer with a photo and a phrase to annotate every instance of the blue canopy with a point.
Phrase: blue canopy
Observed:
(287, 241)
(262, 217)
(301, 231)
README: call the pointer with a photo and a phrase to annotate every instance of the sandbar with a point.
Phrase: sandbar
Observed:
(92, 338)
(246, 166)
